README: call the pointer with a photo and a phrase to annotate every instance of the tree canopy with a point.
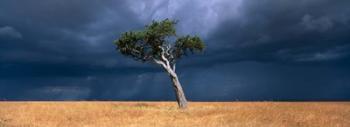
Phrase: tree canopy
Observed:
(157, 38)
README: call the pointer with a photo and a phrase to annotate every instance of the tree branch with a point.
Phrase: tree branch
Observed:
(160, 62)
(169, 54)
(163, 56)
(166, 67)
(174, 66)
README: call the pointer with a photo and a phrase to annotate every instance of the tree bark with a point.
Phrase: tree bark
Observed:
(180, 95)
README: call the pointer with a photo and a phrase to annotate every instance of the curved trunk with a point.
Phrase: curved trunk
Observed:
(180, 95)
(170, 69)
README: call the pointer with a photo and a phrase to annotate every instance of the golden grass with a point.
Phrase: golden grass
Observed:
(166, 114)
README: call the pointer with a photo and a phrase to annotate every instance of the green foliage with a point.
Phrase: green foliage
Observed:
(147, 44)
(130, 44)
(161, 29)
(188, 44)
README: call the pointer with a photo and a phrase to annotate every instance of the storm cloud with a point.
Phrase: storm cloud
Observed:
(256, 50)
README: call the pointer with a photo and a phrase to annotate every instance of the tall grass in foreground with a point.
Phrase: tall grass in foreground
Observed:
(166, 114)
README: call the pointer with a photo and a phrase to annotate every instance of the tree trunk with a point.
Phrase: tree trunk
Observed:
(170, 69)
(180, 95)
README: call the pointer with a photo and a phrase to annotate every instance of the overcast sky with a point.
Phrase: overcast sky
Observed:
(256, 50)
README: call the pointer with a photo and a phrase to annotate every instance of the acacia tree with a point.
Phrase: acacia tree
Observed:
(158, 43)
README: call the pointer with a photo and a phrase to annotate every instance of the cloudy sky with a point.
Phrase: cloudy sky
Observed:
(256, 50)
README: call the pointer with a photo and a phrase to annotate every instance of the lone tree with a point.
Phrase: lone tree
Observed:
(158, 43)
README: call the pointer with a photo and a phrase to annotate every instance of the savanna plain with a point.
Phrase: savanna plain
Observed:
(166, 114)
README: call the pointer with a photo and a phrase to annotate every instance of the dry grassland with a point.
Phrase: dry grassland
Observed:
(166, 114)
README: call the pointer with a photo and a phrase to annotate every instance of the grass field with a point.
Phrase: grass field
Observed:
(166, 114)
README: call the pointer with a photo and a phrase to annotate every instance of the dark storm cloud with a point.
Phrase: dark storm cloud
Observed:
(63, 29)
(49, 44)
(63, 50)
(285, 31)
(63, 32)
